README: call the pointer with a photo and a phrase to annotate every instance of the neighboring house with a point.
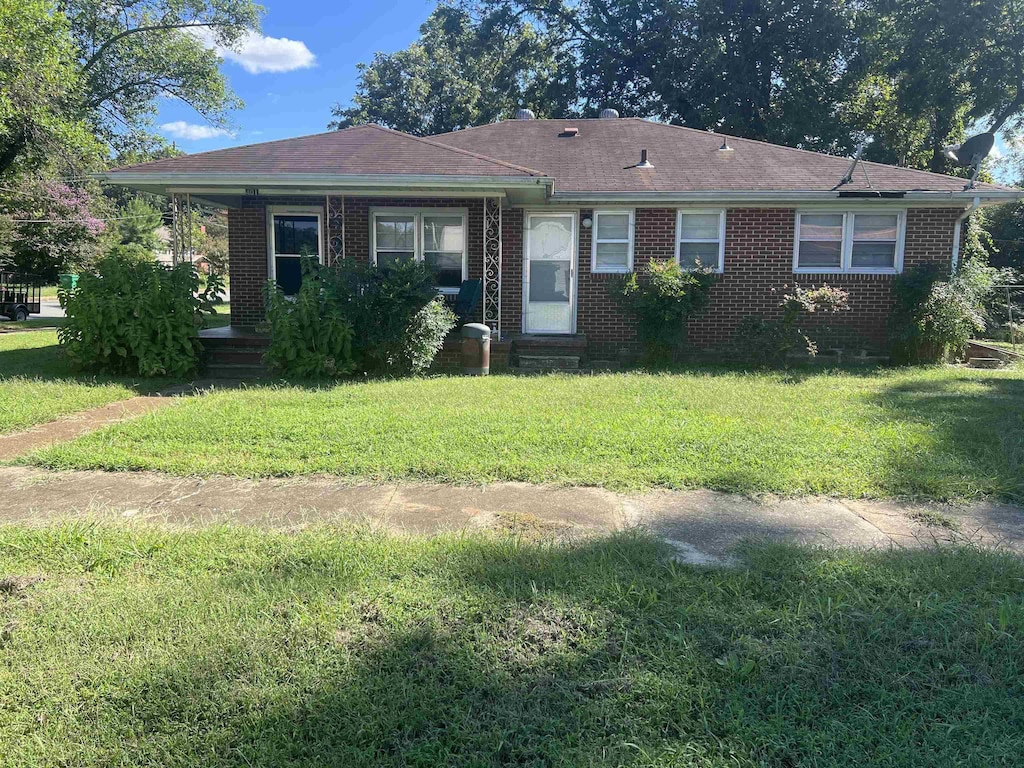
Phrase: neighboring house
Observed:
(549, 213)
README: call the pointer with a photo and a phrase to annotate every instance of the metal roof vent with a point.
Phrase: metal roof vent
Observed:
(609, 114)
(525, 114)
(725, 145)
(569, 131)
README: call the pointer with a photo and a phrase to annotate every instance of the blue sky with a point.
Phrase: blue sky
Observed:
(305, 62)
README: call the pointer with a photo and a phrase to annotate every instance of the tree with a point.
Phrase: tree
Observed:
(137, 224)
(134, 51)
(40, 93)
(50, 226)
(462, 72)
(936, 69)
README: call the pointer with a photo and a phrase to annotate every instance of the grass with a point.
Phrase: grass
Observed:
(1018, 347)
(220, 319)
(929, 432)
(36, 385)
(33, 323)
(233, 647)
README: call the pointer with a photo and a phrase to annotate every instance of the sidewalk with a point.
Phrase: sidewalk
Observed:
(703, 526)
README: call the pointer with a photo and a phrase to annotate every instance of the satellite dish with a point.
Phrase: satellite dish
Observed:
(971, 153)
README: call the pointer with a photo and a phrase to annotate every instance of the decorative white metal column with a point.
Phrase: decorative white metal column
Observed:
(181, 228)
(492, 264)
(335, 229)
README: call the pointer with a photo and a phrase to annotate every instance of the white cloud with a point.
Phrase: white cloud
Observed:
(179, 129)
(259, 53)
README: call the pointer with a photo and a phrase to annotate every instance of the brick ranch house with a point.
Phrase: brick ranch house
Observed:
(548, 213)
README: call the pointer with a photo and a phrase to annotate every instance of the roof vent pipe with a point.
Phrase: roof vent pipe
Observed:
(609, 114)
(644, 162)
(725, 145)
(525, 114)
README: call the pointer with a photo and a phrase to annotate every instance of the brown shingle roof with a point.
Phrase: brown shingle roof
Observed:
(364, 149)
(684, 159)
(599, 158)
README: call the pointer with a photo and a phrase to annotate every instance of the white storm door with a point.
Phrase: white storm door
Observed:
(549, 269)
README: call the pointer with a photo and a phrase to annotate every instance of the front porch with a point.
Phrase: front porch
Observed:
(236, 352)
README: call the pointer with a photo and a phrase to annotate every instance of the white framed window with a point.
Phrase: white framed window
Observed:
(612, 243)
(436, 236)
(700, 238)
(293, 235)
(869, 241)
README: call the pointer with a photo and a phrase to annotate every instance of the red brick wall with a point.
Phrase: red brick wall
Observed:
(248, 242)
(247, 255)
(758, 268)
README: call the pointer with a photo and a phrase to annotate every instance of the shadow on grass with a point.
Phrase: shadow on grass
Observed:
(977, 434)
(48, 364)
(600, 654)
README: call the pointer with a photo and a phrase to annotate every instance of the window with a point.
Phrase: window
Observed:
(612, 250)
(435, 236)
(295, 235)
(849, 242)
(700, 239)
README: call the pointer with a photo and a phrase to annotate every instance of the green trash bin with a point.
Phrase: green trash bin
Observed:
(68, 282)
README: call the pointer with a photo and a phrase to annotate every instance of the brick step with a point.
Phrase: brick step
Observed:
(985, 362)
(554, 345)
(548, 362)
(236, 355)
(236, 371)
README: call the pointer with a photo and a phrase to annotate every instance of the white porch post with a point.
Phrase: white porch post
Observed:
(492, 264)
(181, 228)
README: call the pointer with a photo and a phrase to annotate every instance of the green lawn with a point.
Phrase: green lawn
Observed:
(36, 384)
(939, 432)
(232, 647)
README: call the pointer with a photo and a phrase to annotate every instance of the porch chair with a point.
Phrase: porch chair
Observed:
(466, 301)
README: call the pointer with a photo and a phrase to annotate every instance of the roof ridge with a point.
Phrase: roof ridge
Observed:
(458, 150)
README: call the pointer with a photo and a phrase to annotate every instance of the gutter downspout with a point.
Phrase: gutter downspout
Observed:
(975, 205)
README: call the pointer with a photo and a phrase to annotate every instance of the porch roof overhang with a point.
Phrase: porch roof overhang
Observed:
(228, 189)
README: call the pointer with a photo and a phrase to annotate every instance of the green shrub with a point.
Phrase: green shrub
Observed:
(662, 302)
(134, 316)
(396, 321)
(934, 318)
(769, 342)
(309, 334)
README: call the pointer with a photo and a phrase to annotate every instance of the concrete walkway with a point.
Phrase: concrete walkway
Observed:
(703, 526)
(77, 424)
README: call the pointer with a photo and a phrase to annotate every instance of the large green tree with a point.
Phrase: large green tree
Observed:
(41, 89)
(463, 71)
(133, 52)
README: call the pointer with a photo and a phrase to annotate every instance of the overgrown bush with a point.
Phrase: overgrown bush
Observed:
(934, 318)
(663, 300)
(136, 317)
(397, 321)
(309, 333)
(769, 342)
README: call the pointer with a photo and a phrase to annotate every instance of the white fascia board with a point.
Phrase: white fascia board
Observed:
(778, 199)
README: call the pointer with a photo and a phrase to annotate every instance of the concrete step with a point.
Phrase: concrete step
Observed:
(548, 362)
(985, 362)
(236, 371)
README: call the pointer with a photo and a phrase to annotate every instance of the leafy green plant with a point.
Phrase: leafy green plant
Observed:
(770, 341)
(359, 317)
(309, 333)
(136, 317)
(662, 300)
(934, 318)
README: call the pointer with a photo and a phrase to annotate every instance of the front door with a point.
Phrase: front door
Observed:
(549, 271)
